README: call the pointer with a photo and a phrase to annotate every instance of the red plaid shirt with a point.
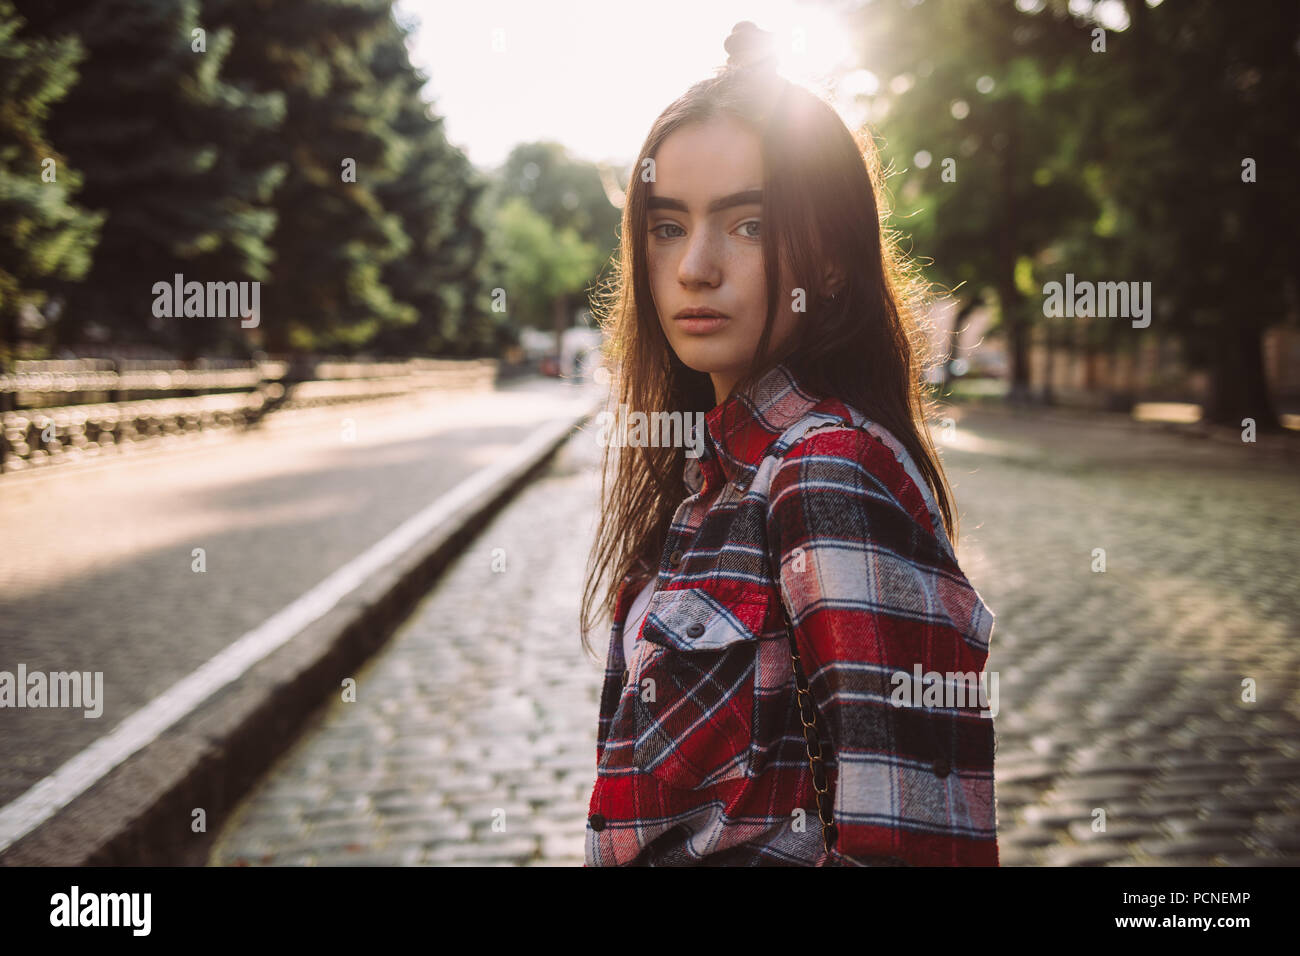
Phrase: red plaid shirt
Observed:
(700, 751)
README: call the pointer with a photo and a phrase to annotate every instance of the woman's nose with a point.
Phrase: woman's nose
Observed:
(700, 263)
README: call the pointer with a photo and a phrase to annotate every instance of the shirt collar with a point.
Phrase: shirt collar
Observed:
(693, 476)
(744, 427)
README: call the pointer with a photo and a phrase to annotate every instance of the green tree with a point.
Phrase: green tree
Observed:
(538, 268)
(1123, 153)
(333, 235)
(1202, 169)
(434, 196)
(44, 235)
(568, 201)
(566, 191)
(156, 132)
(974, 108)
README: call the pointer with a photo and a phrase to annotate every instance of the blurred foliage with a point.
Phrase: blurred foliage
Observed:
(1122, 164)
(45, 236)
(537, 263)
(435, 196)
(213, 138)
(1020, 151)
(333, 236)
(155, 131)
(553, 232)
(567, 192)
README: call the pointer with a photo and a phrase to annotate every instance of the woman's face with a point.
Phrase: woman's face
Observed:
(704, 249)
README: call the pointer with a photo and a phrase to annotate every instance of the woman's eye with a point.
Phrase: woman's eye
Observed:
(750, 222)
(665, 225)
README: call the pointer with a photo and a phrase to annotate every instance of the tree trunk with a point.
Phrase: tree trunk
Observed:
(1013, 315)
(1119, 383)
(954, 340)
(1091, 376)
(1017, 342)
(8, 356)
(1069, 346)
(561, 316)
(1049, 335)
(1239, 388)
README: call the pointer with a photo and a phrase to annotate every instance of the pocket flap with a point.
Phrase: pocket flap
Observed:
(693, 619)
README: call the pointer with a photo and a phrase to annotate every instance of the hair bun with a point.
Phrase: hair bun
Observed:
(748, 47)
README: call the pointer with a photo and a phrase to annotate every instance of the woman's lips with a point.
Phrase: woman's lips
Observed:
(701, 324)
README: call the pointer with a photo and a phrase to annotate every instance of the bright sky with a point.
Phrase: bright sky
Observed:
(594, 74)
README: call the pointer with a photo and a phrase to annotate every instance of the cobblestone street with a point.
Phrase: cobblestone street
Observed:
(484, 703)
(472, 738)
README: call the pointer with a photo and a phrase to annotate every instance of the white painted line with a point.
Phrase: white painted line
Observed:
(60, 788)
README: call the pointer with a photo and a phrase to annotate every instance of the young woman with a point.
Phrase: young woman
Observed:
(790, 623)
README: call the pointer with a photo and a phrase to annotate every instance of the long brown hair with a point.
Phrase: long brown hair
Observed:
(823, 202)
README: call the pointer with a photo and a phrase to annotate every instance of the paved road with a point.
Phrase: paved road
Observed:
(96, 564)
(1120, 691)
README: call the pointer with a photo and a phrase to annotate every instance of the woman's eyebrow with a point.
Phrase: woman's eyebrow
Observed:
(747, 197)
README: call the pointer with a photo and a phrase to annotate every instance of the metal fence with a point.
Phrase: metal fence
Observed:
(65, 410)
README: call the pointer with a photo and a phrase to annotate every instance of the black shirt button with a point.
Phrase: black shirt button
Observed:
(675, 558)
(597, 821)
(695, 630)
(941, 766)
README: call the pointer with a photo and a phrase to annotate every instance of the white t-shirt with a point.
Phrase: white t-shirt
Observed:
(635, 616)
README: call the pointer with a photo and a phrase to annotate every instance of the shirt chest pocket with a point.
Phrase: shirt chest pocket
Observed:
(694, 703)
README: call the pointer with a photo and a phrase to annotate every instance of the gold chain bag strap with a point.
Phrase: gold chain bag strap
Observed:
(807, 710)
(812, 740)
